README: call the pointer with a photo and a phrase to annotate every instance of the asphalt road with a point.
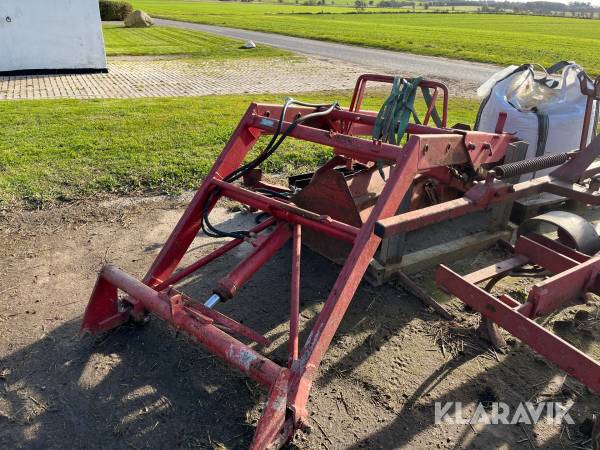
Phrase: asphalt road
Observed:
(397, 62)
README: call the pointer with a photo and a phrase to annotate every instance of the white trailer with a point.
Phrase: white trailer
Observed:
(51, 36)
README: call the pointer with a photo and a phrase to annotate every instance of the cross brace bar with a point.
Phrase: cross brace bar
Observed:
(571, 279)
(171, 308)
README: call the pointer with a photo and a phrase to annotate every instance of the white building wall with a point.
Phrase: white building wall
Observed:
(50, 34)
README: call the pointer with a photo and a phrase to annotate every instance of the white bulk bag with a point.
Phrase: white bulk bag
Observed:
(546, 111)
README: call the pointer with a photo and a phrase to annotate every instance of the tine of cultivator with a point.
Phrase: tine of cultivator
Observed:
(553, 348)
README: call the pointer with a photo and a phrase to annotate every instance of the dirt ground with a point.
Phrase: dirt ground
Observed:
(148, 387)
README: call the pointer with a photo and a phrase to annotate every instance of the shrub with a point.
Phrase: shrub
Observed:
(111, 10)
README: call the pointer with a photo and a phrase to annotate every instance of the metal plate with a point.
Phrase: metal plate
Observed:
(573, 230)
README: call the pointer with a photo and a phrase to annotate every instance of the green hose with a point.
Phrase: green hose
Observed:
(395, 113)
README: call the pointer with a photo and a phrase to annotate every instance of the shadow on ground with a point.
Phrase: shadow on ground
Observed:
(149, 387)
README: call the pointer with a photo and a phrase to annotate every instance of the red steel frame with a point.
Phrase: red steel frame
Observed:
(426, 151)
(574, 274)
(436, 86)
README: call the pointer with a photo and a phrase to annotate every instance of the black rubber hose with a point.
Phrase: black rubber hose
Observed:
(271, 147)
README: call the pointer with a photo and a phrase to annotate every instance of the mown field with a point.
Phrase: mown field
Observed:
(174, 41)
(500, 39)
(351, 4)
(66, 149)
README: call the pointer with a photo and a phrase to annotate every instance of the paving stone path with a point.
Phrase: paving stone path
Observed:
(146, 77)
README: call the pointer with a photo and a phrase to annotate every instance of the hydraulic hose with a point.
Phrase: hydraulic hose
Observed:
(272, 146)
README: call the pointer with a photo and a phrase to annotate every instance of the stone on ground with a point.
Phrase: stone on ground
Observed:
(249, 44)
(138, 19)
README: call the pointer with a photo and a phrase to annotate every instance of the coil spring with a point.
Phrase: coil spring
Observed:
(531, 165)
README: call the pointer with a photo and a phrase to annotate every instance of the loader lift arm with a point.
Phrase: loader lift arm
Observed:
(427, 150)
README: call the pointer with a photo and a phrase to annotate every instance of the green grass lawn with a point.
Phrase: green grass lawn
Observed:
(501, 39)
(54, 150)
(173, 41)
(419, 6)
